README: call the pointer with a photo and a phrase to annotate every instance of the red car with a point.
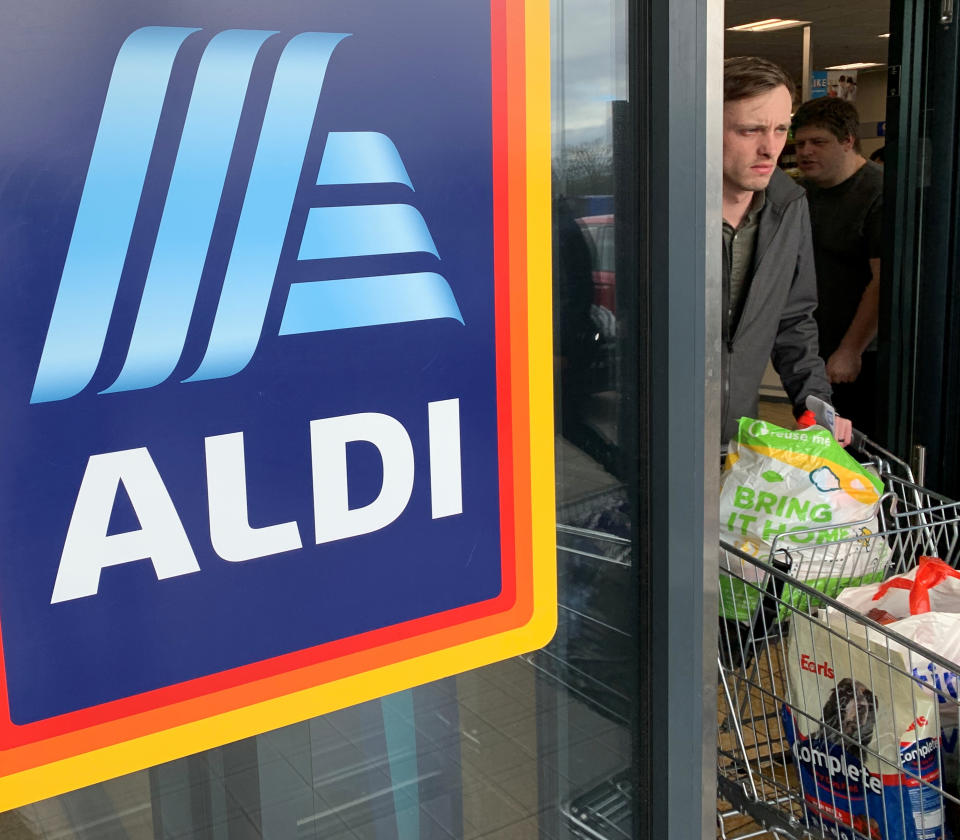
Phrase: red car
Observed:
(599, 234)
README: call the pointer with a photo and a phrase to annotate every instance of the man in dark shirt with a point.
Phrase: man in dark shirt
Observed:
(845, 195)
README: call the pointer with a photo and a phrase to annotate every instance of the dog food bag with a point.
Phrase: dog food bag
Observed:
(802, 489)
(864, 736)
(923, 605)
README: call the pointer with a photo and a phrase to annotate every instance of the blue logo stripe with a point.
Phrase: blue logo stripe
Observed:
(367, 301)
(361, 157)
(108, 207)
(196, 186)
(365, 230)
(266, 208)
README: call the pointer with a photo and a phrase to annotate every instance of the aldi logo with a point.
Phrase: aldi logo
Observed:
(114, 188)
(277, 363)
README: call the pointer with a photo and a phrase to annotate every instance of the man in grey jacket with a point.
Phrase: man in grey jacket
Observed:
(769, 284)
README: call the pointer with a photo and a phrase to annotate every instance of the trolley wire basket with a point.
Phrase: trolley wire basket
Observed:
(831, 724)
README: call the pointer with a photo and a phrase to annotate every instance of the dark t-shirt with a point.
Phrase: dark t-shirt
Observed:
(847, 230)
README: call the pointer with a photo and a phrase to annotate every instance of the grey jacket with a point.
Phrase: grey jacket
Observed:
(776, 320)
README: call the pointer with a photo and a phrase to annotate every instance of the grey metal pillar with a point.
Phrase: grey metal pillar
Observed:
(683, 83)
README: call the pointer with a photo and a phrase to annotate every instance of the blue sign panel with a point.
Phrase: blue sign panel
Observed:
(240, 235)
(252, 342)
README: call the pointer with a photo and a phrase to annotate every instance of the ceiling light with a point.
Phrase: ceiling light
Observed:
(767, 25)
(857, 65)
(885, 35)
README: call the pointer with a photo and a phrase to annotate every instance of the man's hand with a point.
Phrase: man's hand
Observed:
(843, 430)
(843, 365)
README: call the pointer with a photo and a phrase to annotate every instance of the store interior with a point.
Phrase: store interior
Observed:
(826, 38)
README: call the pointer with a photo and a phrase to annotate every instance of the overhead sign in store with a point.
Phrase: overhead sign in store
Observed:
(276, 369)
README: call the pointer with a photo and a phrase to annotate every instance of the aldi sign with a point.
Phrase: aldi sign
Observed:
(276, 369)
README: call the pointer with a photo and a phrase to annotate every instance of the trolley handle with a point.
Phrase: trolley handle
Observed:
(860, 442)
(824, 415)
(882, 457)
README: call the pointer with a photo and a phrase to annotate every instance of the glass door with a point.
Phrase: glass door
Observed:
(921, 306)
(607, 732)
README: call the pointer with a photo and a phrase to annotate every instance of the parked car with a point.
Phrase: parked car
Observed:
(599, 231)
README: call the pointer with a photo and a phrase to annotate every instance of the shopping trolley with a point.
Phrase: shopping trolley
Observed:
(780, 734)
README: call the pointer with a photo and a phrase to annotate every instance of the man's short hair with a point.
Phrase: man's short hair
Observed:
(835, 115)
(749, 75)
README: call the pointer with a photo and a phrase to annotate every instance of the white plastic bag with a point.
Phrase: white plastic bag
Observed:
(931, 586)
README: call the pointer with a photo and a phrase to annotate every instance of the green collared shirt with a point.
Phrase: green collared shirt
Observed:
(739, 245)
